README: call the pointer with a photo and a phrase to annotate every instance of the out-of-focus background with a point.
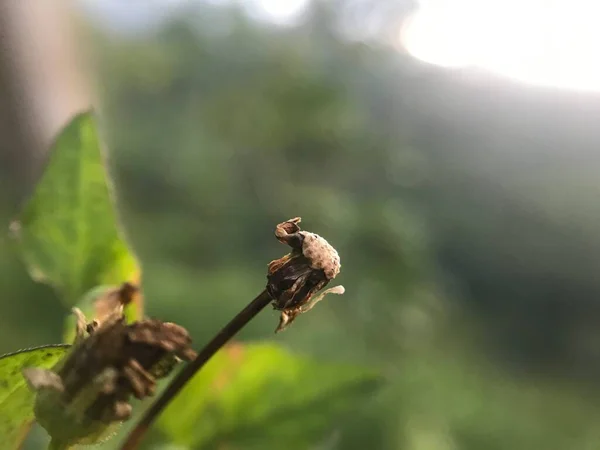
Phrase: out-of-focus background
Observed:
(449, 150)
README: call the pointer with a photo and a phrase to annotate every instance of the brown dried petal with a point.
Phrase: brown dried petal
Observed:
(38, 378)
(113, 301)
(286, 232)
(140, 382)
(293, 281)
(154, 335)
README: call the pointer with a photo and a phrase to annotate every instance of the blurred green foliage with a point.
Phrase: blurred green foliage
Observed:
(70, 239)
(464, 211)
(259, 396)
(16, 399)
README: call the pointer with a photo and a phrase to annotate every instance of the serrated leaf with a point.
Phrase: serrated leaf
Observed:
(16, 399)
(68, 232)
(260, 395)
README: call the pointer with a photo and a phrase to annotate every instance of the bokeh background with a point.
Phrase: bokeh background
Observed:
(463, 201)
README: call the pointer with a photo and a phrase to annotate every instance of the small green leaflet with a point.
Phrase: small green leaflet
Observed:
(16, 400)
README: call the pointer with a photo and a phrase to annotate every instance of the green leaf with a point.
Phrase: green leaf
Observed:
(69, 234)
(16, 400)
(255, 395)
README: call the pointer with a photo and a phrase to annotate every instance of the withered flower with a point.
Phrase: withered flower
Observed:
(110, 362)
(294, 279)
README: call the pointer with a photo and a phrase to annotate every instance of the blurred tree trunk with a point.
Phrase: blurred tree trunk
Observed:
(41, 86)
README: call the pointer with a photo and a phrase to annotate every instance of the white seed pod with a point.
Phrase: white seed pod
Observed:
(321, 254)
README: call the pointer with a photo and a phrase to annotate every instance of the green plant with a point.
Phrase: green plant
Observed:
(69, 237)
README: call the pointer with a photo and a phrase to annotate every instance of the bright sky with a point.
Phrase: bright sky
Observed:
(546, 42)
(139, 14)
(280, 10)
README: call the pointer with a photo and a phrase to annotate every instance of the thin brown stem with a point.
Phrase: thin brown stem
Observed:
(227, 332)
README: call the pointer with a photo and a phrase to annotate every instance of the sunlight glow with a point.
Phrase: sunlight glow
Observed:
(545, 42)
(281, 10)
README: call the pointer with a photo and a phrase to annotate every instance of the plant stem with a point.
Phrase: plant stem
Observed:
(226, 333)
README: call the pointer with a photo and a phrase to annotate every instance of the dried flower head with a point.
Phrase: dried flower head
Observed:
(111, 361)
(294, 279)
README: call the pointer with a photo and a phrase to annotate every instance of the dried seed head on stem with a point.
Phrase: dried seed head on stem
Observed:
(111, 361)
(294, 279)
(292, 282)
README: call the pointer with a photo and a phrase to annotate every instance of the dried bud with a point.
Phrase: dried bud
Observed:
(78, 400)
(294, 279)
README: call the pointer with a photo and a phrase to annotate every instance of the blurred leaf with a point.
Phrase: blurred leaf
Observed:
(254, 395)
(68, 232)
(16, 400)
